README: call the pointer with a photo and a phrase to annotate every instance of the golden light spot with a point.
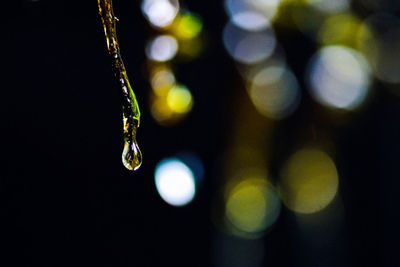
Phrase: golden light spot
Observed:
(342, 29)
(252, 206)
(309, 181)
(274, 92)
(179, 99)
(170, 105)
(187, 26)
(160, 110)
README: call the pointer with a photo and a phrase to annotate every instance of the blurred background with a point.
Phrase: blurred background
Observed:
(269, 134)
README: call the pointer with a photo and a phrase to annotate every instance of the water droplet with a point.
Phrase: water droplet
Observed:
(131, 155)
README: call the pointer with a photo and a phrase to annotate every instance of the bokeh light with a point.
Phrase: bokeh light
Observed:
(160, 13)
(187, 26)
(251, 21)
(161, 111)
(179, 99)
(175, 182)
(274, 91)
(251, 206)
(339, 77)
(172, 103)
(162, 48)
(251, 14)
(342, 29)
(248, 47)
(195, 163)
(162, 79)
(309, 181)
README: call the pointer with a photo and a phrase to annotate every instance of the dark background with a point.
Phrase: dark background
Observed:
(65, 197)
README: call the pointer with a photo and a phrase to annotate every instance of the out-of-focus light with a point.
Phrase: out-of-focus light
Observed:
(175, 182)
(252, 206)
(267, 7)
(248, 47)
(250, 21)
(194, 162)
(251, 15)
(187, 26)
(384, 54)
(162, 48)
(170, 104)
(339, 77)
(162, 80)
(160, 13)
(161, 111)
(341, 29)
(309, 181)
(275, 92)
(179, 99)
(330, 6)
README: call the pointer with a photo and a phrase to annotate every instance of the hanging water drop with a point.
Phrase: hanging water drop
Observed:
(131, 155)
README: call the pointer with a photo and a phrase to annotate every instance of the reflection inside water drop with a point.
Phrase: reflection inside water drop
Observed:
(131, 156)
